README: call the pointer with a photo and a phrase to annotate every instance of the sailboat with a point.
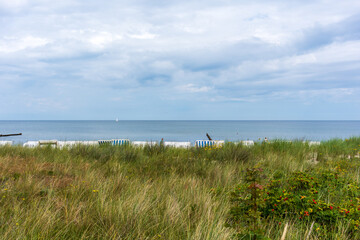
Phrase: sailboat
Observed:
(116, 120)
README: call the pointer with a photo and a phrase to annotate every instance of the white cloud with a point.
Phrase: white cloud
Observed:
(14, 44)
(309, 96)
(101, 39)
(12, 4)
(191, 88)
(142, 36)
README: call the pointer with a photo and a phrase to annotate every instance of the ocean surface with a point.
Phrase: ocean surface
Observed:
(178, 130)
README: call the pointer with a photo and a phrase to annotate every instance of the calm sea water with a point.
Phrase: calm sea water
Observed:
(178, 130)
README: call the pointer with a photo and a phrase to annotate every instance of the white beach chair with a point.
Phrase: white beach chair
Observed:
(4, 143)
(89, 143)
(143, 143)
(52, 143)
(219, 143)
(314, 143)
(31, 144)
(247, 143)
(62, 144)
(178, 144)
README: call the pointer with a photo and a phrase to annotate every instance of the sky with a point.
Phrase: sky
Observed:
(179, 60)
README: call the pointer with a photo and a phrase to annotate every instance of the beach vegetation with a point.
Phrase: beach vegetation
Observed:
(156, 192)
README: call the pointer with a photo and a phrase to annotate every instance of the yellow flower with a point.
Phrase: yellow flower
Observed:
(302, 197)
(17, 224)
(318, 229)
(23, 199)
(95, 190)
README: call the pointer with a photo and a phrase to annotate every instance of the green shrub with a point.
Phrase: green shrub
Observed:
(323, 196)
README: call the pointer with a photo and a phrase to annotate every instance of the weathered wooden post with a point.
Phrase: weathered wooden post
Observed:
(208, 136)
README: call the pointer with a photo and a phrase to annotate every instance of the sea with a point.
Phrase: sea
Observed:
(178, 130)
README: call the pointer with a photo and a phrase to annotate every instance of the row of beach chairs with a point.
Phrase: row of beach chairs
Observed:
(118, 142)
(121, 142)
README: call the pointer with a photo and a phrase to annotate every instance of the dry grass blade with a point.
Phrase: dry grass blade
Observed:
(285, 231)
(309, 233)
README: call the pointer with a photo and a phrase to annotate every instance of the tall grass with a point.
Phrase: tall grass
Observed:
(106, 192)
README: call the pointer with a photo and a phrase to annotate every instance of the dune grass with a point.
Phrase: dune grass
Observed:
(109, 192)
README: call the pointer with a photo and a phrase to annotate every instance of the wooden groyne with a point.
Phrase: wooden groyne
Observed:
(10, 135)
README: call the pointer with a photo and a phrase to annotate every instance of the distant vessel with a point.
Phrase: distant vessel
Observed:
(116, 120)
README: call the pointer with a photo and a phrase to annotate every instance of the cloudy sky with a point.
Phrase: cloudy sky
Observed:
(172, 59)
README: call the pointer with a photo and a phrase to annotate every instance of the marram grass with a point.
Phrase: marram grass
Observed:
(147, 193)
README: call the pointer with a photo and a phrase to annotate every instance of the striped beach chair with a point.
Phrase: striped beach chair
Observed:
(104, 142)
(204, 143)
(209, 143)
(120, 142)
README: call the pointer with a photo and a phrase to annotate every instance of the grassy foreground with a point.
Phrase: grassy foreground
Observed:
(155, 193)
